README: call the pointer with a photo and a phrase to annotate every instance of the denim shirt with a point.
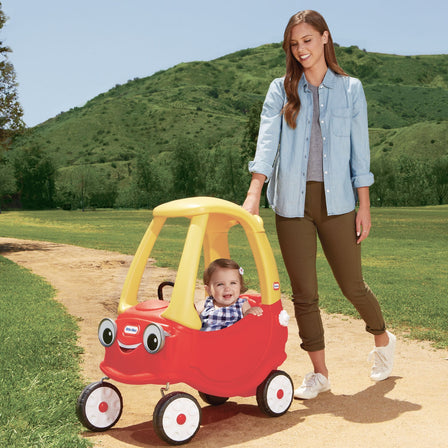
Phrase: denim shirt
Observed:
(282, 152)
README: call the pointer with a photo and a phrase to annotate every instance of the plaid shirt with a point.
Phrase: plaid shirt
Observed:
(218, 318)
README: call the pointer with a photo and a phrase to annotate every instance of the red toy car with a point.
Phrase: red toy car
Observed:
(160, 342)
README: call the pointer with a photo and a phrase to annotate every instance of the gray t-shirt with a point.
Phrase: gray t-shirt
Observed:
(315, 164)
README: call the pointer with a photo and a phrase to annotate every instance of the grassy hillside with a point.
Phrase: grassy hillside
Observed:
(421, 140)
(122, 144)
(208, 101)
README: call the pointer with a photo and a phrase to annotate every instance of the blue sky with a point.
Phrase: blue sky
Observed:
(67, 52)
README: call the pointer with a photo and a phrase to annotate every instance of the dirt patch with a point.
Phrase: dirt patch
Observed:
(407, 410)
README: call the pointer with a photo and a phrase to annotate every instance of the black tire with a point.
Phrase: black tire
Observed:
(177, 418)
(275, 394)
(99, 406)
(213, 399)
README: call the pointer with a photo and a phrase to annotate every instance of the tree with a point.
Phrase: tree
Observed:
(188, 178)
(440, 174)
(10, 109)
(84, 186)
(226, 177)
(35, 173)
(7, 181)
(383, 191)
(249, 144)
(148, 180)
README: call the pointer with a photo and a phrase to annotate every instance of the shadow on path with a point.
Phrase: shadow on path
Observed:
(247, 423)
(368, 406)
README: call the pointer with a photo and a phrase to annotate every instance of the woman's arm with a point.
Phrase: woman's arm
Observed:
(267, 144)
(252, 201)
(363, 222)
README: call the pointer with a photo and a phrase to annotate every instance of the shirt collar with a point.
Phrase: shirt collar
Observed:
(329, 80)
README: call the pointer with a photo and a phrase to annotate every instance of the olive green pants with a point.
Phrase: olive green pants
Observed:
(337, 234)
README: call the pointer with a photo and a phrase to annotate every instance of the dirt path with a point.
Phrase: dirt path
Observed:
(409, 409)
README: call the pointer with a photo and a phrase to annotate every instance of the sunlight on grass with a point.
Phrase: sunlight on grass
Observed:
(39, 369)
(404, 258)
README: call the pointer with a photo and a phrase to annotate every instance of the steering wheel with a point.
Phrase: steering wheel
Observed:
(160, 289)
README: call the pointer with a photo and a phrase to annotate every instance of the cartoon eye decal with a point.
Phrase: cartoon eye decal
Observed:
(153, 338)
(107, 332)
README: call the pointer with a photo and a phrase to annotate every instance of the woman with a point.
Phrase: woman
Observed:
(313, 148)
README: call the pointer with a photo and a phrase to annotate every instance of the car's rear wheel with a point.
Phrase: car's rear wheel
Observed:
(275, 393)
(213, 399)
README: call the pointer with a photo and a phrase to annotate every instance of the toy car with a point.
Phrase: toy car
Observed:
(160, 342)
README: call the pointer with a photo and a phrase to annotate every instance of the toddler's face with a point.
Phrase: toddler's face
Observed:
(224, 287)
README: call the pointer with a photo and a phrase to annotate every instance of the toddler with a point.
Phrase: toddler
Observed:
(223, 281)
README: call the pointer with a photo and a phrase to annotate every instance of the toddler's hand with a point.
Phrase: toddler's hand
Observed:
(255, 310)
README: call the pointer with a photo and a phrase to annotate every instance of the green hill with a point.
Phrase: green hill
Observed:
(207, 103)
(425, 140)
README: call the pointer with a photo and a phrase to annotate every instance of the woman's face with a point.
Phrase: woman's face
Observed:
(307, 46)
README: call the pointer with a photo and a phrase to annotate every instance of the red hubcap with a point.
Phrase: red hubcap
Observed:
(103, 407)
(280, 394)
(181, 419)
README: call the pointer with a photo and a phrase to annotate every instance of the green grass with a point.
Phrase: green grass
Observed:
(404, 259)
(39, 368)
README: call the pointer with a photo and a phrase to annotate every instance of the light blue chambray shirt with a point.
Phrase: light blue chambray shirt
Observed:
(282, 152)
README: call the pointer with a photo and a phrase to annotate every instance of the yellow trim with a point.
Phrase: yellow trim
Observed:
(211, 220)
(134, 276)
(181, 308)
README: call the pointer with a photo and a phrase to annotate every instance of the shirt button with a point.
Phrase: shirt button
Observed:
(324, 138)
(325, 156)
(322, 121)
(321, 105)
(326, 172)
(328, 191)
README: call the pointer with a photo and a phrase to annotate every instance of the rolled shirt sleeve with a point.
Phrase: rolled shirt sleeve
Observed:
(270, 130)
(359, 135)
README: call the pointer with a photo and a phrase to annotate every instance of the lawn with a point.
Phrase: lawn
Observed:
(39, 368)
(404, 258)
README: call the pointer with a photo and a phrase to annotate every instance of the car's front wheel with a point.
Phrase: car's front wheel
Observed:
(99, 406)
(176, 418)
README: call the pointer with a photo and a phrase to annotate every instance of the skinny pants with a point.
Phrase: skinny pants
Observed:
(337, 234)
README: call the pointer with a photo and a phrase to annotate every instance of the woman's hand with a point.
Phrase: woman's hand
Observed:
(252, 202)
(363, 221)
(363, 224)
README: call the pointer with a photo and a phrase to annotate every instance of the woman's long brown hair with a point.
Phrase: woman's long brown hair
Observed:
(294, 69)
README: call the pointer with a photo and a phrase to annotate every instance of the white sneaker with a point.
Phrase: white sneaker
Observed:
(312, 386)
(383, 359)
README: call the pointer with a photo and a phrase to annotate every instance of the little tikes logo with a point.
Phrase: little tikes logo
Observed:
(130, 329)
(276, 286)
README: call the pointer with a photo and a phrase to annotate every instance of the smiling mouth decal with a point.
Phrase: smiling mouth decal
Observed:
(128, 348)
